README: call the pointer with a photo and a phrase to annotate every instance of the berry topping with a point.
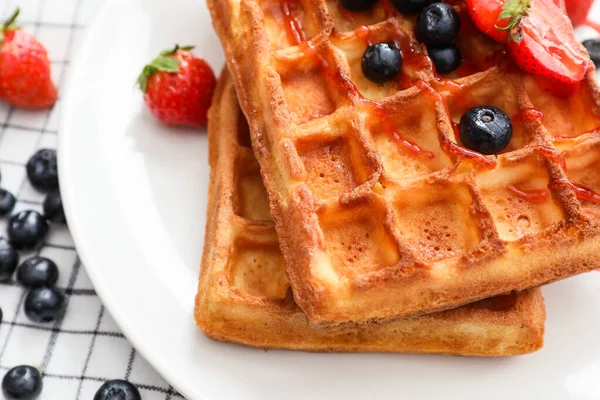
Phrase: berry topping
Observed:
(446, 59)
(7, 202)
(53, 208)
(25, 79)
(117, 389)
(42, 170)
(9, 258)
(593, 48)
(484, 14)
(438, 24)
(26, 229)
(381, 62)
(357, 5)
(411, 6)
(37, 271)
(178, 87)
(539, 35)
(577, 10)
(22, 383)
(485, 129)
(44, 304)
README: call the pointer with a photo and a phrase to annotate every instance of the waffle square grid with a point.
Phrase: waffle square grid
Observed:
(380, 212)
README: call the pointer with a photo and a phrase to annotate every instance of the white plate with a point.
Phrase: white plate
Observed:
(135, 196)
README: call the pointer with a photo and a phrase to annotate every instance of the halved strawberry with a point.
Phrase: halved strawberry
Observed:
(540, 36)
(544, 44)
(486, 13)
(578, 10)
(562, 5)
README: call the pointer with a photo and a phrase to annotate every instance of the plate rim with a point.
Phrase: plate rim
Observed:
(64, 133)
(135, 337)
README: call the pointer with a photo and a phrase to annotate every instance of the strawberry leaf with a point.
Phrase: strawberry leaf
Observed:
(164, 63)
(174, 50)
(515, 10)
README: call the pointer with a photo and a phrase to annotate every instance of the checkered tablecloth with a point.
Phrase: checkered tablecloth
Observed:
(79, 352)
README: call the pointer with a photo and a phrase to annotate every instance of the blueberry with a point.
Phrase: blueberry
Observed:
(7, 202)
(26, 229)
(485, 129)
(22, 383)
(53, 208)
(42, 170)
(117, 389)
(411, 6)
(438, 24)
(9, 258)
(37, 271)
(446, 59)
(381, 62)
(44, 304)
(593, 48)
(357, 5)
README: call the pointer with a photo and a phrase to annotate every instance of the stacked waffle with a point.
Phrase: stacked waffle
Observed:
(375, 230)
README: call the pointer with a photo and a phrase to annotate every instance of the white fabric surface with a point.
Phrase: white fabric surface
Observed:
(78, 353)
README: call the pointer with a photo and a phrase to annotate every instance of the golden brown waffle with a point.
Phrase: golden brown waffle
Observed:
(244, 294)
(379, 210)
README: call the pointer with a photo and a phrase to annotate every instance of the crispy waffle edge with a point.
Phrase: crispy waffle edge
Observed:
(510, 325)
(412, 291)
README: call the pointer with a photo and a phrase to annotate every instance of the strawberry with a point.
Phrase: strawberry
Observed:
(25, 79)
(539, 35)
(563, 6)
(485, 16)
(178, 87)
(578, 10)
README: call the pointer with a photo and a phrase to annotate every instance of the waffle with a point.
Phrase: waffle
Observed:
(244, 294)
(380, 212)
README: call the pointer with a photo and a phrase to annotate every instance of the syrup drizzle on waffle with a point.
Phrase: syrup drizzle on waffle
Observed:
(583, 193)
(380, 173)
(410, 147)
(565, 138)
(416, 58)
(364, 33)
(292, 25)
(529, 115)
(532, 196)
(554, 155)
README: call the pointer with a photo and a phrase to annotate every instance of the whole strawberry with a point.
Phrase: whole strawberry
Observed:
(178, 87)
(25, 79)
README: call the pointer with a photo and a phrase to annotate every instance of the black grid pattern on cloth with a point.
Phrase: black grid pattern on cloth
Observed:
(84, 348)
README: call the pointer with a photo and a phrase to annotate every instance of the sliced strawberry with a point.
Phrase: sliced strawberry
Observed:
(544, 44)
(578, 10)
(540, 36)
(561, 4)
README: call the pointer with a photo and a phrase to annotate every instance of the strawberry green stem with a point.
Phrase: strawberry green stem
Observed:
(10, 22)
(174, 50)
(515, 11)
